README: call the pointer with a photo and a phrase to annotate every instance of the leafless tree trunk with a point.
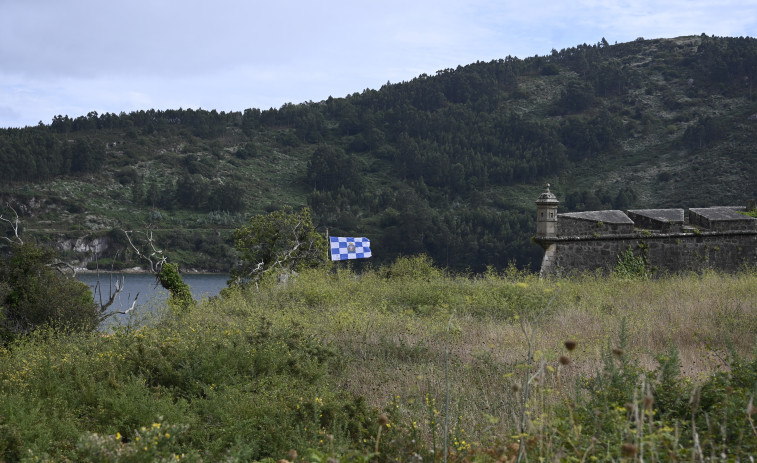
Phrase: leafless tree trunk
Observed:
(14, 224)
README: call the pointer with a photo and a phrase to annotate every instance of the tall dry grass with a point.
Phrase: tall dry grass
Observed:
(399, 330)
(472, 367)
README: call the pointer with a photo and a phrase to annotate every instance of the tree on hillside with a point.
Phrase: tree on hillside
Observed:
(576, 97)
(192, 191)
(330, 168)
(282, 241)
(226, 197)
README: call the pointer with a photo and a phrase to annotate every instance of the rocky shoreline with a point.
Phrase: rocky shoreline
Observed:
(143, 271)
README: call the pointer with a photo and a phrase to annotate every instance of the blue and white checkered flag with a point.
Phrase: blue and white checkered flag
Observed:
(349, 248)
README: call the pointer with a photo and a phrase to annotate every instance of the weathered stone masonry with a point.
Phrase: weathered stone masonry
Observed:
(670, 240)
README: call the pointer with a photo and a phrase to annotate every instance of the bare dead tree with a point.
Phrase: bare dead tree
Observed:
(156, 258)
(14, 225)
(114, 289)
(113, 292)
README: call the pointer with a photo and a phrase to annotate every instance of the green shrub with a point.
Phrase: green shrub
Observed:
(281, 241)
(243, 388)
(419, 267)
(160, 442)
(170, 279)
(34, 295)
(631, 265)
(127, 175)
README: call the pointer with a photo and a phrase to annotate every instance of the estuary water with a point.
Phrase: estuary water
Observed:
(152, 296)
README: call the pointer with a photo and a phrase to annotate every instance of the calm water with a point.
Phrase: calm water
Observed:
(150, 294)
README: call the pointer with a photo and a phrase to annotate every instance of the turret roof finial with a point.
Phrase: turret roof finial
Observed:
(547, 197)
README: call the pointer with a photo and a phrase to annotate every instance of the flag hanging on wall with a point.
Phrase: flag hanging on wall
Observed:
(349, 248)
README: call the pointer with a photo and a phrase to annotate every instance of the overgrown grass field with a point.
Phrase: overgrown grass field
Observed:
(401, 363)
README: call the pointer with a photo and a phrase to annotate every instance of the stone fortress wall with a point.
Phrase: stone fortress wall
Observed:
(670, 240)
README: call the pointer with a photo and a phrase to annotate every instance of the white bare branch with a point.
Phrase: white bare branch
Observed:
(133, 304)
(119, 286)
(156, 258)
(60, 266)
(14, 224)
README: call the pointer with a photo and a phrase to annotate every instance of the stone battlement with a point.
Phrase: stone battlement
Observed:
(670, 240)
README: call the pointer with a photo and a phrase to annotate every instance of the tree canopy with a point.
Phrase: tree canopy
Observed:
(281, 241)
(33, 294)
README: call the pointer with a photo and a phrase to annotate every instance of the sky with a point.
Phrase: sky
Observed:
(77, 56)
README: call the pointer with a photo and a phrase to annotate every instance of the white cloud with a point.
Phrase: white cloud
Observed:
(74, 57)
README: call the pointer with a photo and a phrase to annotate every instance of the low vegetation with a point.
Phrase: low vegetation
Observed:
(400, 363)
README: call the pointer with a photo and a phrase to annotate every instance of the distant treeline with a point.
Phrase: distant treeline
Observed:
(34, 154)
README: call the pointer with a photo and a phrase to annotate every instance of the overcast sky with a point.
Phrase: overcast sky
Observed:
(73, 57)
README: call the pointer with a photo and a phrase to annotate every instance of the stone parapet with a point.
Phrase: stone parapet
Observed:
(714, 237)
(665, 220)
(721, 218)
(643, 235)
(594, 222)
(663, 252)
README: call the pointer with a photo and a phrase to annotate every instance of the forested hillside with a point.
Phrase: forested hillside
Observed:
(447, 165)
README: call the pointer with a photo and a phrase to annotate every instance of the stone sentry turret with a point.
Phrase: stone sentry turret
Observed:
(713, 237)
(546, 214)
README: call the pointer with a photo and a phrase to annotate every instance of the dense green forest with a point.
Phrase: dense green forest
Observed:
(448, 165)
